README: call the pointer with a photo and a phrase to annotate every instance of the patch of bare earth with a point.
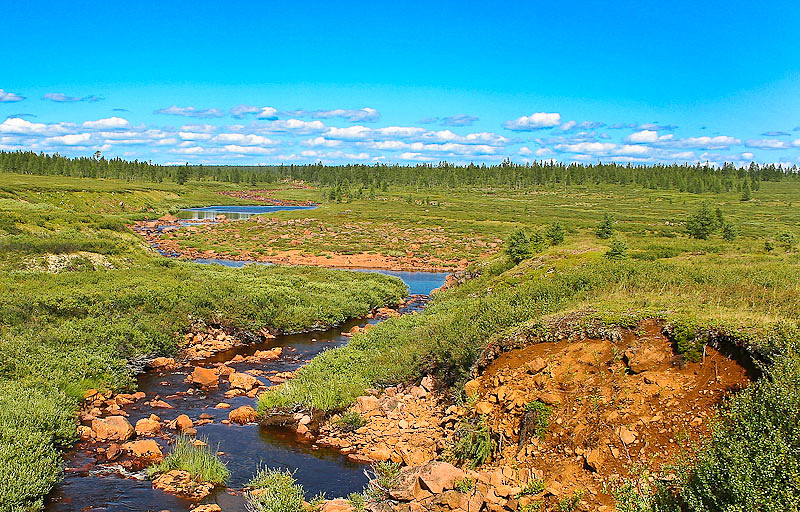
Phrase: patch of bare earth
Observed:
(612, 406)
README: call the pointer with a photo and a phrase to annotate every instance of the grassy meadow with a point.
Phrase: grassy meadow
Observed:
(81, 297)
(468, 223)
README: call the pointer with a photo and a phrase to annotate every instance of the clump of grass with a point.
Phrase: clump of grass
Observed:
(357, 500)
(350, 421)
(383, 476)
(542, 413)
(202, 463)
(535, 486)
(464, 485)
(570, 503)
(274, 490)
(473, 444)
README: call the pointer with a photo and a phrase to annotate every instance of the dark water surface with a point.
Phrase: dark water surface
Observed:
(245, 447)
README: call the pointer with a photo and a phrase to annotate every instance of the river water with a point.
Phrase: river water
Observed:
(91, 483)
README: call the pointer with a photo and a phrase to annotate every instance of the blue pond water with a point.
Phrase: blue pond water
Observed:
(233, 212)
(419, 283)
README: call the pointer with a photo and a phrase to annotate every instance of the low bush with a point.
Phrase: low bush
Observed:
(472, 443)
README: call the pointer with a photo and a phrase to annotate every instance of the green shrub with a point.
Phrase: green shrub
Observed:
(464, 485)
(702, 223)
(383, 477)
(555, 233)
(518, 247)
(350, 421)
(787, 239)
(542, 412)
(729, 231)
(533, 487)
(200, 461)
(473, 444)
(357, 500)
(617, 250)
(685, 337)
(605, 229)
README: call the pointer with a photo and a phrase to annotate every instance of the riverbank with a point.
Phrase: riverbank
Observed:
(206, 392)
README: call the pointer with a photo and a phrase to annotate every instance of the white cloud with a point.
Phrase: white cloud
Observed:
(537, 121)
(643, 136)
(244, 139)
(175, 110)
(9, 97)
(63, 98)
(194, 136)
(248, 150)
(767, 144)
(322, 141)
(718, 142)
(21, 126)
(524, 150)
(747, 155)
(242, 111)
(360, 115)
(108, 123)
(73, 139)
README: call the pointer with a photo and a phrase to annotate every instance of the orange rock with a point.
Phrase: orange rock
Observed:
(243, 414)
(143, 448)
(183, 422)
(146, 426)
(205, 377)
(243, 381)
(116, 428)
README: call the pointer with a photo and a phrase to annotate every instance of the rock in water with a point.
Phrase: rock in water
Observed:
(116, 428)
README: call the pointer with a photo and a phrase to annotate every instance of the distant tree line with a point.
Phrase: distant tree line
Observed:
(359, 179)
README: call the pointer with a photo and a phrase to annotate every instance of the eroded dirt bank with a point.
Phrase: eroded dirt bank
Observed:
(568, 420)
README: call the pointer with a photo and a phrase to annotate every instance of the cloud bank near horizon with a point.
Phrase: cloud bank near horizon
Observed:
(252, 134)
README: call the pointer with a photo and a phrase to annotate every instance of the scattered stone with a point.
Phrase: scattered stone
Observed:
(147, 426)
(183, 423)
(146, 448)
(243, 381)
(243, 414)
(181, 483)
(116, 428)
(205, 377)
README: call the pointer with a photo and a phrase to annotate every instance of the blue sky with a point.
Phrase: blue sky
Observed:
(295, 82)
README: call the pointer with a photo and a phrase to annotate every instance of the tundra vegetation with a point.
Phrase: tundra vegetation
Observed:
(710, 252)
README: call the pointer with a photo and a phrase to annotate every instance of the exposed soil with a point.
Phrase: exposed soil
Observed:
(613, 406)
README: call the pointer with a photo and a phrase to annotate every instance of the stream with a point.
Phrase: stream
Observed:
(92, 483)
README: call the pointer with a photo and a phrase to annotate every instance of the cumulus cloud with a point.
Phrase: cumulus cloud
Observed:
(9, 97)
(775, 134)
(73, 139)
(537, 121)
(242, 111)
(22, 126)
(107, 124)
(63, 98)
(767, 144)
(174, 110)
